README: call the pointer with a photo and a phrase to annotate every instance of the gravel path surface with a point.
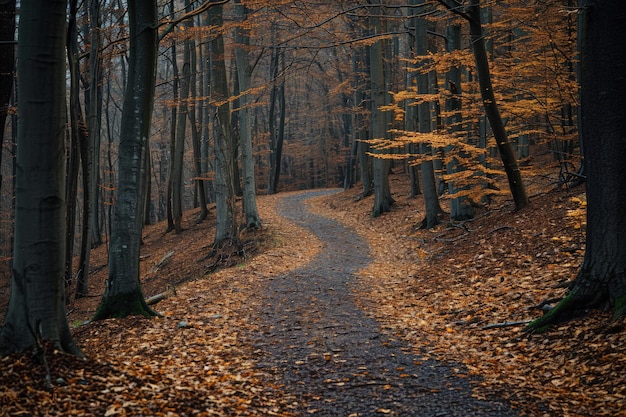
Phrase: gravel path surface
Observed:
(331, 357)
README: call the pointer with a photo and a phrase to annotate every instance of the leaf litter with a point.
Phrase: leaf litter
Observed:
(436, 289)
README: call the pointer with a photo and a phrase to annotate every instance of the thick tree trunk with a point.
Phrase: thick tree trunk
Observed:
(601, 281)
(122, 293)
(244, 74)
(37, 304)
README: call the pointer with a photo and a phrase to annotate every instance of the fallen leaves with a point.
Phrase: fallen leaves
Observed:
(438, 288)
(191, 361)
(435, 289)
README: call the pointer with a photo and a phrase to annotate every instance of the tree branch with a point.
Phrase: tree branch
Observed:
(456, 9)
(171, 24)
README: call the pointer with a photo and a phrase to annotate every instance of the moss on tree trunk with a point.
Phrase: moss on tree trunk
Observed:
(123, 305)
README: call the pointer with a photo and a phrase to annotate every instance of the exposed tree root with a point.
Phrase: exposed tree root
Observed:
(123, 305)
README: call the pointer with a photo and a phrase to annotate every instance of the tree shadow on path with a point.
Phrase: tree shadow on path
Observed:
(330, 356)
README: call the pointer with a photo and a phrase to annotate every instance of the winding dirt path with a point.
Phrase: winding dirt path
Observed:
(333, 359)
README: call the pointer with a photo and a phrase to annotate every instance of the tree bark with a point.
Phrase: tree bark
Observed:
(424, 120)
(78, 142)
(516, 185)
(360, 64)
(244, 74)
(37, 305)
(378, 123)
(195, 128)
(226, 227)
(179, 147)
(122, 293)
(461, 208)
(277, 95)
(601, 281)
(94, 121)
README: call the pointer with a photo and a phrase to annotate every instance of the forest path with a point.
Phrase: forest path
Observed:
(333, 359)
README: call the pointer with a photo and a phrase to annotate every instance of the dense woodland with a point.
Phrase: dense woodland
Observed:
(116, 115)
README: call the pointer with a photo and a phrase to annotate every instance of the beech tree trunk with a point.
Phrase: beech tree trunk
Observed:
(78, 143)
(424, 119)
(226, 227)
(276, 128)
(122, 293)
(516, 185)
(173, 121)
(94, 121)
(378, 123)
(195, 125)
(461, 208)
(37, 305)
(244, 74)
(360, 64)
(179, 147)
(601, 281)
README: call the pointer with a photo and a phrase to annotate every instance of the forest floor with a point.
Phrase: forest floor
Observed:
(436, 291)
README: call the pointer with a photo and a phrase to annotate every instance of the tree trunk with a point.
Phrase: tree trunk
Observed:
(37, 305)
(379, 127)
(78, 143)
(226, 227)
(276, 137)
(516, 185)
(461, 208)
(244, 74)
(122, 293)
(424, 120)
(195, 129)
(601, 281)
(179, 147)
(94, 122)
(360, 64)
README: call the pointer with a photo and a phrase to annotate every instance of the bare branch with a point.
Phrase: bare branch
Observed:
(172, 23)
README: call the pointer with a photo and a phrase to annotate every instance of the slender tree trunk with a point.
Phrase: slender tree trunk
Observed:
(226, 227)
(173, 121)
(94, 123)
(78, 138)
(516, 185)
(195, 130)
(277, 95)
(205, 145)
(460, 207)
(179, 148)
(360, 65)
(244, 73)
(378, 123)
(424, 119)
(122, 293)
(37, 305)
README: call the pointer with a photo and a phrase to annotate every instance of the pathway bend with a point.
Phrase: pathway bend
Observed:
(330, 356)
